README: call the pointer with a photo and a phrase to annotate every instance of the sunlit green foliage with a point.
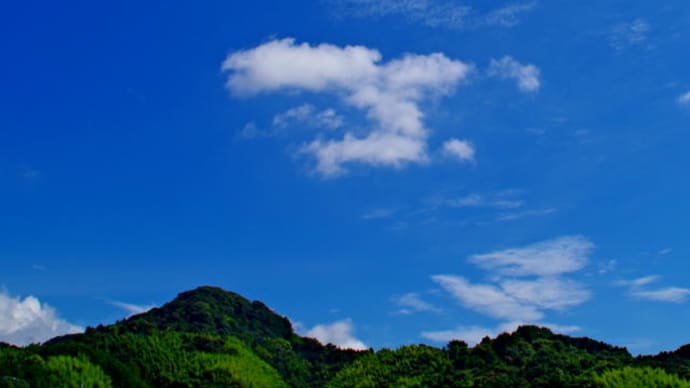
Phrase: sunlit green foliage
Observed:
(630, 377)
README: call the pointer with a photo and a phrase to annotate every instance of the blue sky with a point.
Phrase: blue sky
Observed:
(380, 172)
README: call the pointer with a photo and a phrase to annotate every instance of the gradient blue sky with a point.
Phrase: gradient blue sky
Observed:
(518, 162)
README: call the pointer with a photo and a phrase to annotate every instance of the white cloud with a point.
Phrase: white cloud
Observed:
(339, 333)
(488, 299)
(478, 200)
(27, 321)
(639, 289)
(459, 149)
(435, 13)
(684, 99)
(627, 34)
(526, 213)
(639, 282)
(389, 93)
(412, 303)
(668, 294)
(509, 15)
(547, 258)
(474, 334)
(527, 76)
(307, 114)
(431, 13)
(131, 308)
(525, 283)
(546, 293)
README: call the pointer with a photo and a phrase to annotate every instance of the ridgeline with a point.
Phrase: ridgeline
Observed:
(209, 337)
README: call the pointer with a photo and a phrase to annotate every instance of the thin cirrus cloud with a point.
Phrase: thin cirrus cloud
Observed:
(131, 308)
(628, 34)
(339, 333)
(435, 13)
(389, 93)
(684, 99)
(413, 303)
(640, 288)
(526, 283)
(482, 201)
(26, 321)
(547, 258)
(527, 77)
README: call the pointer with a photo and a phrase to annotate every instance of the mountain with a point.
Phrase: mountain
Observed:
(209, 337)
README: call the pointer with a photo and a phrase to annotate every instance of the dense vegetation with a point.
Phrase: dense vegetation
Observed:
(213, 338)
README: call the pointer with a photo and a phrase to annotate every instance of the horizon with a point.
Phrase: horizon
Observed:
(380, 173)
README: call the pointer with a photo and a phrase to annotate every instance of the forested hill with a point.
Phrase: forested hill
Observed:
(209, 337)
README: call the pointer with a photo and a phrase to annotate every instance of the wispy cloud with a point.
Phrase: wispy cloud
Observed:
(461, 150)
(307, 114)
(413, 303)
(684, 99)
(526, 282)
(436, 13)
(512, 216)
(668, 294)
(548, 258)
(527, 76)
(639, 289)
(389, 93)
(509, 15)
(339, 333)
(132, 309)
(628, 34)
(487, 299)
(26, 321)
(482, 201)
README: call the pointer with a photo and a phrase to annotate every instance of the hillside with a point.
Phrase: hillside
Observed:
(209, 337)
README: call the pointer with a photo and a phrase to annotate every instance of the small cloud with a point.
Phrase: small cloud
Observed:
(250, 131)
(487, 299)
(607, 267)
(339, 333)
(548, 258)
(413, 303)
(478, 200)
(132, 309)
(378, 214)
(308, 115)
(26, 321)
(508, 16)
(526, 213)
(684, 99)
(459, 149)
(665, 251)
(639, 290)
(628, 34)
(436, 13)
(527, 76)
(39, 268)
(669, 294)
(639, 282)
